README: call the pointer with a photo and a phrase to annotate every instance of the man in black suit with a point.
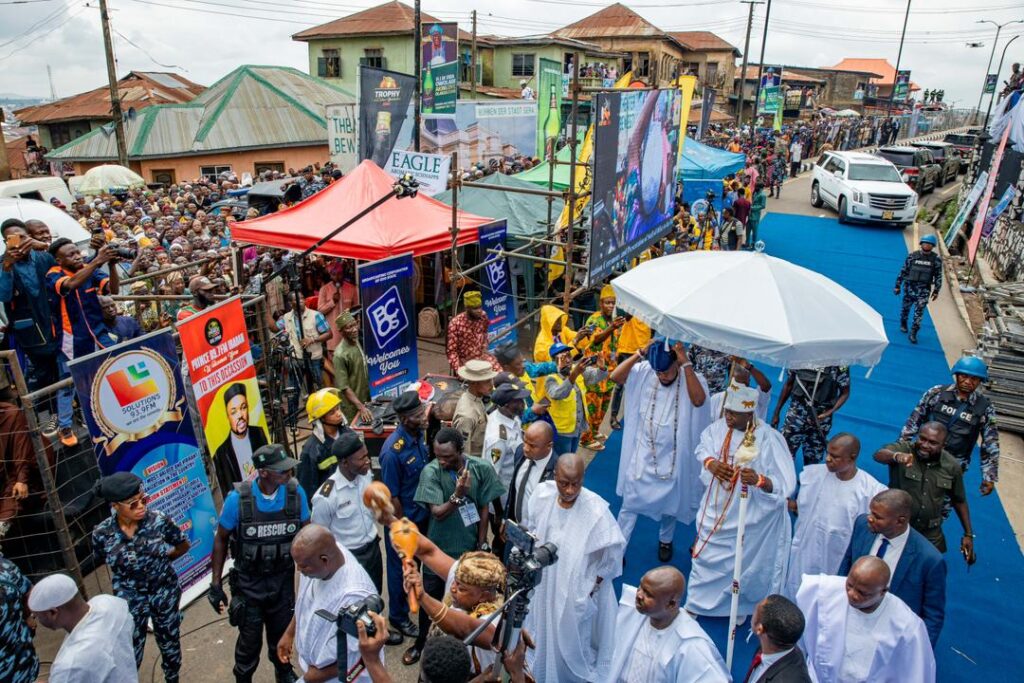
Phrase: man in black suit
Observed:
(918, 569)
(233, 458)
(534, 462)
(778, 625)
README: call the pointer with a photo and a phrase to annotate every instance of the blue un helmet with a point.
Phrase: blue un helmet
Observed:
(558, 348)
(971, 366)
(929, 239)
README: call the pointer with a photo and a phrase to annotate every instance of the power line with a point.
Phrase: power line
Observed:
(52, 30)
(234, 15)
(143, 51)
(49, 17)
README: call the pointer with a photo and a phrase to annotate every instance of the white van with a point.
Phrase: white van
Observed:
(43, 188)
(60, 223)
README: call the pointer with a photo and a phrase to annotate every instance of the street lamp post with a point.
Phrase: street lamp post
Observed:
(999, 69)
(899, 58)
(991, 56)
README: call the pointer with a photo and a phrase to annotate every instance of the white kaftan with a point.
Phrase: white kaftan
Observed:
(767, 536)
(99, 648)
(889, 645)
(826, 510)
(316, 638)
(680, 653)
(657, 472)
(574, 630)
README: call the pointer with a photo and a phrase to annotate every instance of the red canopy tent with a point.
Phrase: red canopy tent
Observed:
(420, 224)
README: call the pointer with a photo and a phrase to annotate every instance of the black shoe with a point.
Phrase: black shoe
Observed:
(394, 637)
(412, 655)
(913, 336)
(664, 552)
(285, 676)
(903, 326)
(615, 424)
(406, 628)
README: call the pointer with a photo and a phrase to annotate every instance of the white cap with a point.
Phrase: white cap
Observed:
(743, 400)
(52, 592)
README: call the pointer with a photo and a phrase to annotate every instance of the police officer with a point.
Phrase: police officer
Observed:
(18, 660)
(712, 365)
(817, 395)
(504, 433)
(138, 545)
(967, 414)
(316, 463)
(919, 278)
(470, 417)
(933, 479)
(258, 521)
(402, 457)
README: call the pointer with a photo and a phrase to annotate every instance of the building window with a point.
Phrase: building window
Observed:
(329, 65)
(165, 176)
(60, 134)
(522, 64)
(262, 166)
(213, 171)
(643, 64)
(712, 72)
(374, 57)
(627, 63)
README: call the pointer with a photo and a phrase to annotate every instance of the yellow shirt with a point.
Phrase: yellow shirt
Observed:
(633, 336)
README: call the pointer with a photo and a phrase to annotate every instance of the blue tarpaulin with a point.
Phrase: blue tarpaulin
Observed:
(701, 162)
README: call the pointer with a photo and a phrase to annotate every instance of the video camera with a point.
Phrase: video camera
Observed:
(710, 196)
(345, 621)
(527, 557)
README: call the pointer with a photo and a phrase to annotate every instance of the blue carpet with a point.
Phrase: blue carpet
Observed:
(866, 260)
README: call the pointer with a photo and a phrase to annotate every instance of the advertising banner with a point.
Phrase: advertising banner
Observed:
(389, 325)
(706, 106)
(549, 105)
(1004, 202)
(986, 198)
(343, 135)
(965, 209)
(439, 78)
(484, 132)
(133, 400)
(902, 86)
(385, 113)
(636, 150)
(686, 85)
(431, 170)
(496, 286)
(769, 100)
(215, 344)
(990, 83)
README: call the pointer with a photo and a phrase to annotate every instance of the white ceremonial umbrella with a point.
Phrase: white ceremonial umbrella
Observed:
(108, 177)
(753, 305)
(847, 113)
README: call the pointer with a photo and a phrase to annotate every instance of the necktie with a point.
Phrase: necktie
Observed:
(521, 491)
(882, 548)
(756, 662)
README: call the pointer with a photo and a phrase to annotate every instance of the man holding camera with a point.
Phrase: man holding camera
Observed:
(565, 391)
(332, 580)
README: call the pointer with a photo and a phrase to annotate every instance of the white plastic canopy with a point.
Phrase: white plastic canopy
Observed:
(753, 305)
(108, 177)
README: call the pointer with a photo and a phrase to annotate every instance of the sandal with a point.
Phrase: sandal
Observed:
(594, 446)
(615, 424)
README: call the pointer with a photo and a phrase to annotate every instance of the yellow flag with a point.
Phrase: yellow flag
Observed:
(686, 85)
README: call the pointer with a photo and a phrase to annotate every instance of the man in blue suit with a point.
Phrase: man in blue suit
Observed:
(918, 569)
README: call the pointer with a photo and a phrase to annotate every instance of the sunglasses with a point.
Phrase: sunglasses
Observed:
(135, 503)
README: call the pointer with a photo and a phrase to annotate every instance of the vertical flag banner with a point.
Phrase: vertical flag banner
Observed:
(496, 286)
(1004, 202)
(706, 106)
(439, 78)
(389, 325)
(901, 88)
(965, 209)
(215, 344)
(343, 135)
(549, 105)
(990, 83)
(636, 148)
(134, 403)
(986, 198)
(686, 85)
(385, 120)
(769, 99)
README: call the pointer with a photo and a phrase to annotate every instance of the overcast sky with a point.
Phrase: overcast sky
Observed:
(205, 39)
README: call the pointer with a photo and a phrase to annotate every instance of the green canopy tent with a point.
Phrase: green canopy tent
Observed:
(539, 174)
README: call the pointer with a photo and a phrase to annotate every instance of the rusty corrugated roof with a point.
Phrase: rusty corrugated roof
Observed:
(881, 67)
(704, 41)
(389, 18)
(614, 21)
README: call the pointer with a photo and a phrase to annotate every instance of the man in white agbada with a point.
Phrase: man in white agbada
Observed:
(98, 646)
(573, 625)
(858, 632)
(330, 578)
(742, 371)
(665, 411)
(766, 467)
(830, 499)
(655, 642)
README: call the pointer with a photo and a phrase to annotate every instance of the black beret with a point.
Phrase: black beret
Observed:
(407, 402)
(509, 392)
(348, 443)
(118, 487)
(506, 353)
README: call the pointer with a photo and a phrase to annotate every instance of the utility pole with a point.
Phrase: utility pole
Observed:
(760, 61)
(991, 56)
(417, 39)
(472, 62)
(899, 58)
(998, 69)
(115, 95)
(743, 70)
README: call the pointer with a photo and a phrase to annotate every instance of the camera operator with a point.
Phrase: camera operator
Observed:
(331, 579)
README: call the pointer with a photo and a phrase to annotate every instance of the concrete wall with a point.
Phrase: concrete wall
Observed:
(397, 51)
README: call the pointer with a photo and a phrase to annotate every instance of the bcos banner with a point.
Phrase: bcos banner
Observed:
(215, 343)
(636, 150)
(385, 113)
(389, 325)
(134, 403)
(496, 287)
(439, 84)
(549, 105)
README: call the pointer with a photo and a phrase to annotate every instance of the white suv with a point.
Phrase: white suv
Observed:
(862, 187)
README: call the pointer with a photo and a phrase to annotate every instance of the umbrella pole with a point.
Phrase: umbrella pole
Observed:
(736, 572)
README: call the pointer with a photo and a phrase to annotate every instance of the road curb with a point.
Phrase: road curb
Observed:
(871, 149)
(953, 282)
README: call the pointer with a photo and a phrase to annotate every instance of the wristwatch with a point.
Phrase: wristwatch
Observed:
(455, 500)
(485, 547)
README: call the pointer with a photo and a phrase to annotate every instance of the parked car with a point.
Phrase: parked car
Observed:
(42, 188)
(862, 187)
(965, 144)
(947, 156)
(917, 166)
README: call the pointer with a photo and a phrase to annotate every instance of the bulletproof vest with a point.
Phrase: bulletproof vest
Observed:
(262, 542)
(922, 266)
(963, 421)
(804, 384)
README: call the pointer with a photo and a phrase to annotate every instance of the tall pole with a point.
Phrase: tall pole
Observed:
(472, 61)
(760, 61)
(574, 89)
(743, 70)
(899, 58)
(999, 70)
(115, 95)
(417, 37)
(988, 67)
(453, 292)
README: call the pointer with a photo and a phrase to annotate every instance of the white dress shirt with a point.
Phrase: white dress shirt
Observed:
(342, 511)
(893, 552)
(766, 663)
(531, 483)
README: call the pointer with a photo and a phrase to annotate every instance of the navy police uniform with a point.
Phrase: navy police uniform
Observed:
(920, 277)
(813, 392)
(18, 660)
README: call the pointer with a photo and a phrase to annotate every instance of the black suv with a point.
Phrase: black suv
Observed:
(916, 165)
(965, 144)
(947, 156)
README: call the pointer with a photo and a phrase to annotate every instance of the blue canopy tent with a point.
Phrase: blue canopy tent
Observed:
(701, 162)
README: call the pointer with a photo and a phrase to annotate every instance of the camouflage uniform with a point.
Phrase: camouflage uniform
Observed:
(18, 660)
(713, 365)
(801, 428)
(920, 275)
(142, 574)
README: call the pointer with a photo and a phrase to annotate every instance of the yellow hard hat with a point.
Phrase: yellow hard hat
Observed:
(322, 402)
